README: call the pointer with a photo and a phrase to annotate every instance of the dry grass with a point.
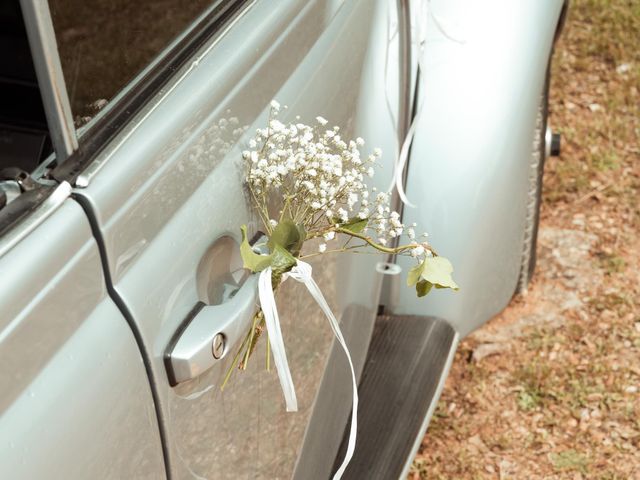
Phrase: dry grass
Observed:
(558, 393)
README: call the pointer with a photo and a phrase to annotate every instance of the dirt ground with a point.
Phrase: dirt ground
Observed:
(550, 389)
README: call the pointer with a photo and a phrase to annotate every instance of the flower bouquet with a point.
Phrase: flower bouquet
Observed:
(307, 182)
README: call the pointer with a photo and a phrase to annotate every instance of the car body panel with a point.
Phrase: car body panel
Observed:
(165, 191)
(74, 395)
(469, 168)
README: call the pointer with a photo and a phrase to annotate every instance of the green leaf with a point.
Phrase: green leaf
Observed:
(413, 276)
(250, 259)
(438, 270)
(288, 235)
(281, 260)
(355, 224)
(423, 287)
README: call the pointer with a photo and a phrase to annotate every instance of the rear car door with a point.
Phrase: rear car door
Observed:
(75, 402)
(158, 173)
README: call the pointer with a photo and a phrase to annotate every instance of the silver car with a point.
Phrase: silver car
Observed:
(121, 285)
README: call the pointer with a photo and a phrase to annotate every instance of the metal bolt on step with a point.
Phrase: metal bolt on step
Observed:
(552, 143)
(555, 145)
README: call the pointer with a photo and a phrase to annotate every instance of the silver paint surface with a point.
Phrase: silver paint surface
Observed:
(74, 397)
(167, 190)
(38, 216)
(170, 185)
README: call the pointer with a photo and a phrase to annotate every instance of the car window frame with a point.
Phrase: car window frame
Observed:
(46, 61)
(93, 137)
(73, 149)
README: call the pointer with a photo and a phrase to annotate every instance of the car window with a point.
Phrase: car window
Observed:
(105, 44)
(24, 136)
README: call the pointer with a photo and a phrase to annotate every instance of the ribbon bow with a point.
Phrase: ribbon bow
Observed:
(302, 273)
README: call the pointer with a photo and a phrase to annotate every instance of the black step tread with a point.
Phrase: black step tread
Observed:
(406, 360)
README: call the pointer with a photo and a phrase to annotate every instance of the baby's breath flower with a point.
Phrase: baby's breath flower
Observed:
(310, 180)
(322, 176)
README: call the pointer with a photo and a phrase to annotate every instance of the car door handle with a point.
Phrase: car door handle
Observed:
(209, 332)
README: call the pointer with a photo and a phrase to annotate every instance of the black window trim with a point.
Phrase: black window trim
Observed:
(105, 127)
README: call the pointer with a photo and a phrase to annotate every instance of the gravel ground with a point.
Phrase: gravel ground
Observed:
(550, 389)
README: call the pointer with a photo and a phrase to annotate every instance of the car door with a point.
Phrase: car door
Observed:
(75, 402)
(74, 398)
(164, 192)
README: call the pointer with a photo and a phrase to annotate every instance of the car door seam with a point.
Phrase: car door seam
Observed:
(86, 206)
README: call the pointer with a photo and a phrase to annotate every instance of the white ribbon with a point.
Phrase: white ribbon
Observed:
(418, 40)
(302, 273)
(271, 319)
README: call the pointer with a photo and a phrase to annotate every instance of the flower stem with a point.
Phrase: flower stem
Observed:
(235, 361)
(252, 334)
(377, 246)
(250, 341)
(268, 353)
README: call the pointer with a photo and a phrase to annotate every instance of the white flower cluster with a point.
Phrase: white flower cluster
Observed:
(321, 178)
(387, 225)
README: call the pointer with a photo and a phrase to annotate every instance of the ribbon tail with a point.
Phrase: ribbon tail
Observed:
(268, 305)
(418, 39)
(401, 163)
(313, 288)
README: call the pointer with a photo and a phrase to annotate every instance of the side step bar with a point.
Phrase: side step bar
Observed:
(408, 361)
